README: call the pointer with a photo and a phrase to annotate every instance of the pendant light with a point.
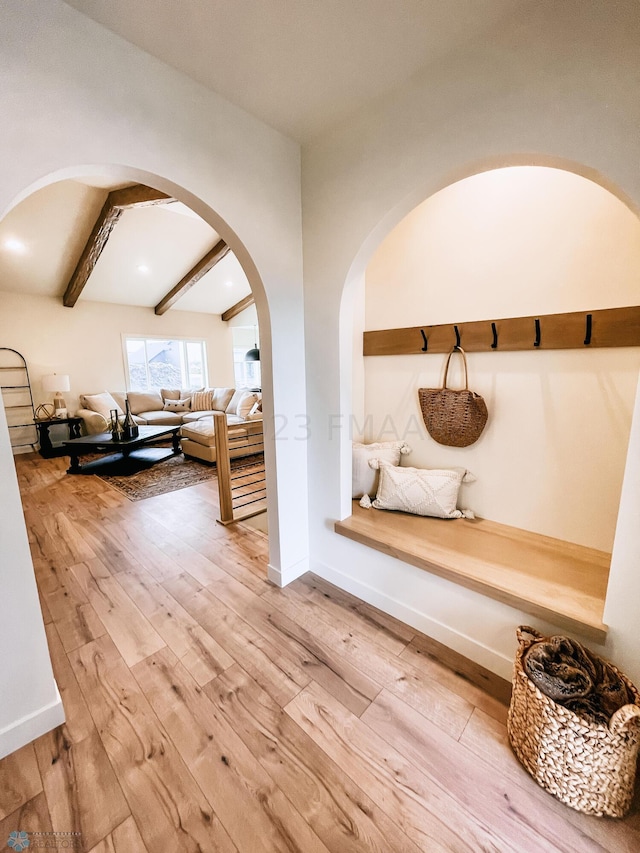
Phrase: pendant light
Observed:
(253, 354)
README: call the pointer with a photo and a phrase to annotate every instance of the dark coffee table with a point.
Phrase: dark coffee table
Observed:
(126, 456)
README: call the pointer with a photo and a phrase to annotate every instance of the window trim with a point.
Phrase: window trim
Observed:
(125, 336)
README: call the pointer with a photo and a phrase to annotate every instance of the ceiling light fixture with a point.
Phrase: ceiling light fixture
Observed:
(253, 354)
(228, 284)
(143, 268)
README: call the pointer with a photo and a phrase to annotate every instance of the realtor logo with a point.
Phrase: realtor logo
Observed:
(18, 840)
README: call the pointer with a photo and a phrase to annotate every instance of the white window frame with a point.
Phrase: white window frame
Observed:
(184, 381)
(244, 383)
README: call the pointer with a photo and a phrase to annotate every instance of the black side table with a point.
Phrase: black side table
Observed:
(47, 448)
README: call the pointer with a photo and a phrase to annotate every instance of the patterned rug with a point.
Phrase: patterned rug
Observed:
(177, 472)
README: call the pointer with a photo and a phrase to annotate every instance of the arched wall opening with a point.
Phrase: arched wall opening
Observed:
(511, 242)
(117, 175)
(471, 624)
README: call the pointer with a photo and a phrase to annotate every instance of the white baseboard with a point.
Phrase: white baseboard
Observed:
(282, 577)
(468, 647)
(29, 728)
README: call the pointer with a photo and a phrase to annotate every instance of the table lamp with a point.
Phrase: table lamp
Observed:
(56, 383)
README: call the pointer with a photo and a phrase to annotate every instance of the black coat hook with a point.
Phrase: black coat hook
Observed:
(536, 343)
(494, 345)
(426, 342)
(587, 339)
(457, 331)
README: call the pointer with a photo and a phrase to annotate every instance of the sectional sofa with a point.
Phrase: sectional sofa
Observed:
(194, 410)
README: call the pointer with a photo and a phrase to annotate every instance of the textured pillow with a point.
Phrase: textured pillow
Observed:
(102, 404)
(201, 401)
(421, 491)
(177, 405)
(364, 480)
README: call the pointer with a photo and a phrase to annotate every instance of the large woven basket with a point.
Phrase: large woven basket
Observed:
(590, 767)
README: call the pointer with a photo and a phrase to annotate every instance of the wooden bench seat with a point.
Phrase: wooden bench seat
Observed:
(555, 580)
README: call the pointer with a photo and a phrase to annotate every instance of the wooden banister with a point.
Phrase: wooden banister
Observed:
(241, 494)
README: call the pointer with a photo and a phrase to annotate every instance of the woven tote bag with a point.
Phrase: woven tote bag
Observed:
(589, 766)
(454, 418)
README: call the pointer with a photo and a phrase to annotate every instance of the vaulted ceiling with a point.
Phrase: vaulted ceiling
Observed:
(301, 67)
(76, 241)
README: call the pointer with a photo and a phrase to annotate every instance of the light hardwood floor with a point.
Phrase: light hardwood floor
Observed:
(208, 710)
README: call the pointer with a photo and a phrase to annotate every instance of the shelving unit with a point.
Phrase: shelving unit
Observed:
(15, 390)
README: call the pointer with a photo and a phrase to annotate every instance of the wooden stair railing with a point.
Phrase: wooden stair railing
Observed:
(242, 490)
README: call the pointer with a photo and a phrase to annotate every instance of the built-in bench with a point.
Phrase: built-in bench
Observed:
(555, 580)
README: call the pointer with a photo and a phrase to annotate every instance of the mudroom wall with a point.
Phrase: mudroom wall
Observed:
(514, 242)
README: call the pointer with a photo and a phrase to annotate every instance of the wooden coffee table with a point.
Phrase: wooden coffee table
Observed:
(133, 455)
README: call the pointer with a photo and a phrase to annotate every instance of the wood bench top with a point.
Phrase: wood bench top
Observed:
(555, 580)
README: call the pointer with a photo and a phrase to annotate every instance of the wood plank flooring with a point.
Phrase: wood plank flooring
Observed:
(210, 711)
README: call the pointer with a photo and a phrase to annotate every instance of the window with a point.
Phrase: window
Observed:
(246, 373)
(154, 363)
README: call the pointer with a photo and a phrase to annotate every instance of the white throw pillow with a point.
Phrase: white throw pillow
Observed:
(220, 398)
(177, 405)
(421, 491)
(102, 404)
(364, 480)
(245, 404)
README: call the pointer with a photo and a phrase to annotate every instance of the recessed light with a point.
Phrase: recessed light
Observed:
(228, 284)
(15, 245)
(143, 268)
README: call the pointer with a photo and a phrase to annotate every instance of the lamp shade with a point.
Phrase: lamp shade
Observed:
(252, 354)
(56, 382)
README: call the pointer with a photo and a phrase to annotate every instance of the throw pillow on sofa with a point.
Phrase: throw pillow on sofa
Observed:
(102, 404)
(364, 480)
(177, 405)
(201, 401)
(245, 404)
(178, 393)
(220, 398)
(144, 401)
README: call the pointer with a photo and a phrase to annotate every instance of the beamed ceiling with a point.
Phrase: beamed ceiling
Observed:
(129, 245)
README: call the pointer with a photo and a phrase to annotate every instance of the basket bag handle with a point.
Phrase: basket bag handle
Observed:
(525, 629)
(446, 369)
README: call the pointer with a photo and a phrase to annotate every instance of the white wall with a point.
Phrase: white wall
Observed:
(515, 242)
(557, 85)
(30, 703)
(75, 99)
(85, 342)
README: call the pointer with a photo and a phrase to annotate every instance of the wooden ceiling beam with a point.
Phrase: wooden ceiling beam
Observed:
(116, 202)
(238, 307)
(206, 263)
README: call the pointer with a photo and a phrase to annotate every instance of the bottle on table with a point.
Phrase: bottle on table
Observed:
(129, 426)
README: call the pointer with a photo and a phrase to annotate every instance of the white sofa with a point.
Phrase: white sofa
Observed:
(160, 408)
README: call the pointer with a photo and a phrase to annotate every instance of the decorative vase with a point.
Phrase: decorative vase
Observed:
(129, 426)
(114, 425)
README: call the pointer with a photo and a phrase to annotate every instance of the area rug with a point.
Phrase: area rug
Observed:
(177, 472)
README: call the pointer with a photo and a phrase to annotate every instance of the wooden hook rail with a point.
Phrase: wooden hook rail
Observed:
(608, 327)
